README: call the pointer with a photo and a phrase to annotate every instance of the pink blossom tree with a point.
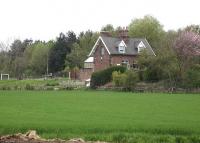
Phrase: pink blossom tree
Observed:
(187, 44)
(187, 47)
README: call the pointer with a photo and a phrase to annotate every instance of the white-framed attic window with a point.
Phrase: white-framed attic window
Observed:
(140, 46)
(122, 47)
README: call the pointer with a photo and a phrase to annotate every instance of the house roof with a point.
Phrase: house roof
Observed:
(111, 44)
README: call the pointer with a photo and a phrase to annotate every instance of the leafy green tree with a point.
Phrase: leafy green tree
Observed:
(161, 67)
(27, 57)
(80, 49)
(38, 57)
(17, 63)
(18, 47)
(75, 58)
(149, 28)
(61, 48)
(5, 62)
(108, 27)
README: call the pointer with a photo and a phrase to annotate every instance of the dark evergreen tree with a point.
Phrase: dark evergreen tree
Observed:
(59, 51)
(80, 49)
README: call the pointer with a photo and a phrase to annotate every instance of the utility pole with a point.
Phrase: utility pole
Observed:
(47, 64)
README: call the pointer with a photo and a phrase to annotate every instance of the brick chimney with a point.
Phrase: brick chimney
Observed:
(105, 33)
(123, 34)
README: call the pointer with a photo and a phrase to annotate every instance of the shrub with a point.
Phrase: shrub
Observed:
(119, 78)
(102, 77)
(29, 87)
(192, 78)
(131, 79)
(126, 80)
(152, 74)
(5, 87)
(52, 84)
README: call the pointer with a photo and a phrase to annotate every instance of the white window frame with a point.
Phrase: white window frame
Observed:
(141, 46)
(122, 47)
(126, 62)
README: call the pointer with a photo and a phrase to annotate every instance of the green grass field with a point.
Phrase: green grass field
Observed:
(101, 115)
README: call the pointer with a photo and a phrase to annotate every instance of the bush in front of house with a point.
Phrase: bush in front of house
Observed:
(126, 80)
(131, 79)
(102, 77)
(119, 79)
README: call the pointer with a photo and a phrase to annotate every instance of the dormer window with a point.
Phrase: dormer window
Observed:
(122, 47)
(140, 47)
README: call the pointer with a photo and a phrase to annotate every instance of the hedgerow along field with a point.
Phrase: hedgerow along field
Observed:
(40, 84)
(102, 115)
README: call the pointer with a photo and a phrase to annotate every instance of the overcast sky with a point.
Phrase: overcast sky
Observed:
(45, 19)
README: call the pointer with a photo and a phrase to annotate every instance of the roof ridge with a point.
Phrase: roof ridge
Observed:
(122, 39)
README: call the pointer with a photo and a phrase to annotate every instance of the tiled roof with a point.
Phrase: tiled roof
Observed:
(132, 44)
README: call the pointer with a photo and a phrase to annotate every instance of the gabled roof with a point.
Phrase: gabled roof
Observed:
(111, 45)
(95, 45)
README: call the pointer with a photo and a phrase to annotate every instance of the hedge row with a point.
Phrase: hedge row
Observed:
(102, 77)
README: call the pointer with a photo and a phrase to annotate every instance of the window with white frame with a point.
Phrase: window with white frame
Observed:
(121, 47)
(140, 47)
(126, 63)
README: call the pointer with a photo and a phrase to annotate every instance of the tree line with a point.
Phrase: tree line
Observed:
(30, 58)
(177, 52)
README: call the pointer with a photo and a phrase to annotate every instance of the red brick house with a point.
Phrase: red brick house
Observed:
(109, 51)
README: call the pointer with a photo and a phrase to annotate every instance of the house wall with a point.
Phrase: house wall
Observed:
(85, 74)
(117, 59)
(104, 61)
(101, 61)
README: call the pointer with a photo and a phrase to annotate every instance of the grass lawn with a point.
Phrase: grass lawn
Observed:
(101, 115)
